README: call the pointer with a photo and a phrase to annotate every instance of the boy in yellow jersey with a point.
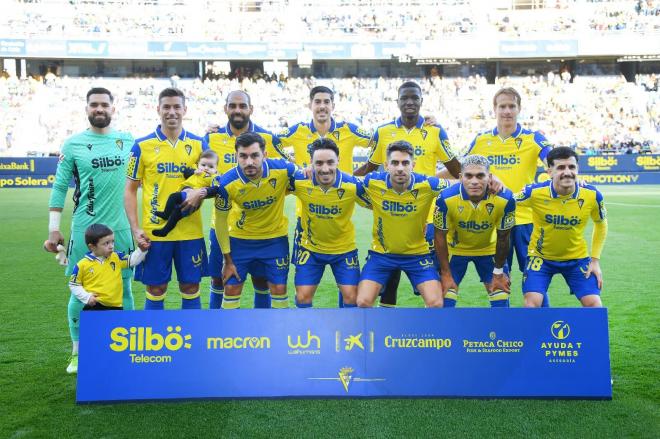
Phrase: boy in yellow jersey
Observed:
(238, 108)
(467, 220)
(250, 222)
(561, 209)
(401, 201)
(430, 146)
(328, 236)
(157, 162)
(96, 279)
(513, 153)
(207, 168)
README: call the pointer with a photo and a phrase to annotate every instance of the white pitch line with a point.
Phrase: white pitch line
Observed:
(609, 203)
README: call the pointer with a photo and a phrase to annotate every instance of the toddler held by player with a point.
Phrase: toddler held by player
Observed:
(207, 168)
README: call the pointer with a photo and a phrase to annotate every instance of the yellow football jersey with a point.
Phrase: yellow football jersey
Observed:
(471, 229)
(430, 144)
(197, 181)
(513, 160)
(400, 219)
(224, 144)
(559, 220)
(256, 208)
(159, 165)
(346, 135)
(101, 277)
(326, 216)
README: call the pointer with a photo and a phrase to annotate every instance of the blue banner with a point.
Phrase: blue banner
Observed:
(11, 47)
(537, 48)
(542, 353)
(27, 172)
(620, 163)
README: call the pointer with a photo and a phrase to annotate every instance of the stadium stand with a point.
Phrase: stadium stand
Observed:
(592, 113)
(290, 20)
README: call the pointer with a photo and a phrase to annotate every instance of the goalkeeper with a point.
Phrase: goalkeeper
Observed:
(95, 160)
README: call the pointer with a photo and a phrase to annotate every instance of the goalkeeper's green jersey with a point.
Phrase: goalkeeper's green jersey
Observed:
(97, 163)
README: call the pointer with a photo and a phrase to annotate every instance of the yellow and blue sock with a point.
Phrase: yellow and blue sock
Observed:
(262, 298)
(451, 298)
(127, 300)
(215, 297)
(191, 301)
(280, 301)
(152, 302)
(498, 299)
(231, 302)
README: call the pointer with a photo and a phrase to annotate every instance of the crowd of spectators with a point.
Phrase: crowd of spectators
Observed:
(291, 20)
(593, 114)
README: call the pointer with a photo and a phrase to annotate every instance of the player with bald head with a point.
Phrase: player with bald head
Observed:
(238, 108)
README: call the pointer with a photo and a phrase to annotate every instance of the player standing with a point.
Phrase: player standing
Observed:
(561, 209)
(430, 146)
(513, 153)
(473, 225)
(250, 224)
(238, 108)
(96, 160)
(328, 235)
(401, 201)
(157, 162)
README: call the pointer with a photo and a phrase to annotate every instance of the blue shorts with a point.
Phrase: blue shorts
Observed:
(418, 268)
(270, 255)
(520, 236)
(484, 265)
(216, 260)
(538, 275)
(189, 258)
(311, 265)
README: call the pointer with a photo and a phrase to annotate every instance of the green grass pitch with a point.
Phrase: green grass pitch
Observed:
(37, 397)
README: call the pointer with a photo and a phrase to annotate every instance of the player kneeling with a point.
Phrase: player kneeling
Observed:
(471, 217)
(327, 235)
(561, 209)
(96, 281)
(401, 201)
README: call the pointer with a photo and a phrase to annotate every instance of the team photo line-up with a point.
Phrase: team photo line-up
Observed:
(427, 223)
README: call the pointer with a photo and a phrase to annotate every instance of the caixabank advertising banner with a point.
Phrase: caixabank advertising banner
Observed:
(188, 354)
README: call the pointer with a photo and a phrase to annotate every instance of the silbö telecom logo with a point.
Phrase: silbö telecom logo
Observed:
(144, 345)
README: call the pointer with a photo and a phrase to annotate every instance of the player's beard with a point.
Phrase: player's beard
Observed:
(239, 123)
(98, 122)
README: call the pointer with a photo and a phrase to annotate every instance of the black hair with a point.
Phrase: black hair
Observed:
(400, 145)
(249, 138)
(171, 92)
(321, 89)
(323, 143)
(95, 232)
(99, 91)
(560, 153)
(410, 84)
